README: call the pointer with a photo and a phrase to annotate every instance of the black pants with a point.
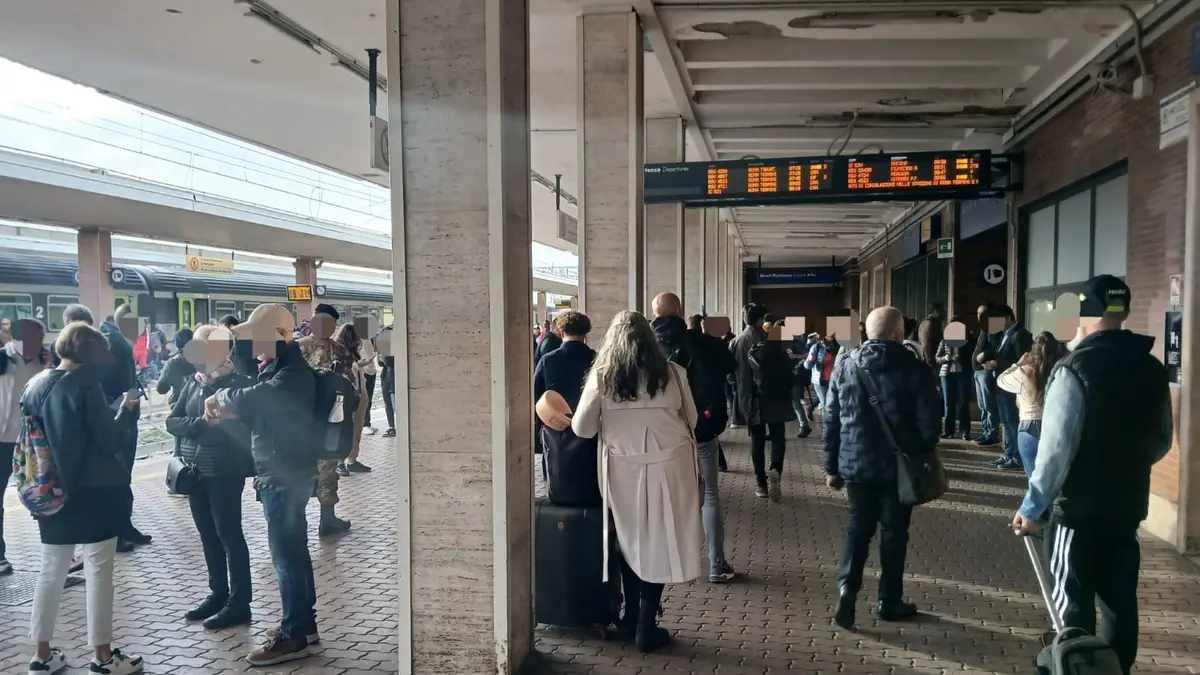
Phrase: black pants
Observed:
(872, 506)
(956, 402)
(1087, 565)
(759, 433)
(217, 512)
(369, 387)
(388, 386)
(633, 586)
(6, 453)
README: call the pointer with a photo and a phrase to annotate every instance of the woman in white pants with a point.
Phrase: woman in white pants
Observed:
(84, 440)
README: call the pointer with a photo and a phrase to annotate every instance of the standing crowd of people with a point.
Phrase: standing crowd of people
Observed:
(238, 396)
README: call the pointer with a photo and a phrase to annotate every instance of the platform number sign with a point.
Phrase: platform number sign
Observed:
(39, 313)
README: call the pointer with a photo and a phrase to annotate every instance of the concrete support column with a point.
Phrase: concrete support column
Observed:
(730, 275)
(95, 265)
(693, 260)
(664, 222)
(306, 275)
(722, 270)
(461, 244)
(712, 226)
(611, 159)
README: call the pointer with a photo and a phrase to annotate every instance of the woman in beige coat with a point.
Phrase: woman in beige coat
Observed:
(642, 408)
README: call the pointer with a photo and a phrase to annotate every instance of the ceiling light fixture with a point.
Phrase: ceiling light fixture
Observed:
(172, 10)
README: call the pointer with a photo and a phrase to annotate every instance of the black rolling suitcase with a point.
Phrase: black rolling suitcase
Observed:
(569, 586)
(1072, 651)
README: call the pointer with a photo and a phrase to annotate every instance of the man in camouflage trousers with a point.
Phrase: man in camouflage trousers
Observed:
(322, 352)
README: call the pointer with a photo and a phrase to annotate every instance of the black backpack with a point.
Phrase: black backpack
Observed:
(771, 370)
(334, 406)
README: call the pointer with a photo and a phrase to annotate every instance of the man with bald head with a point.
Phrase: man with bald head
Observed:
(707, 363)
(860, 457)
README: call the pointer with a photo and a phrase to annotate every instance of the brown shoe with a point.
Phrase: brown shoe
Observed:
(279, 650)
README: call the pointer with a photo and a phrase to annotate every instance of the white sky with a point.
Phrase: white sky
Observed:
(51, 117)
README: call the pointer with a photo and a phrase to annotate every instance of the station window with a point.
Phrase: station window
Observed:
(223, 308)
(55, 306)
(14, 307)
(1071, 237)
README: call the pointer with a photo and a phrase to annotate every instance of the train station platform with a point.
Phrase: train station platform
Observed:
(968, 574)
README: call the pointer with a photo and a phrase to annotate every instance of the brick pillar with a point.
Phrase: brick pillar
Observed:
(611, 160)
(95, 265)
(458, 109)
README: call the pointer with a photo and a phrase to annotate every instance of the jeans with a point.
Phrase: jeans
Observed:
(985, 396)
(956, 403)
(1006, 409)
(1097, 564)
(1028, 435)
(708, 453)
(97, 571)
(759, 433)
(389, 407)
(287, 537)
(871, 506)
(802, 404)
(822, 389)
(217, 512)
(369, 392)
(6, 453)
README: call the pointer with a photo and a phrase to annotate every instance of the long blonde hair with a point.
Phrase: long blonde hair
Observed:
(630, 355)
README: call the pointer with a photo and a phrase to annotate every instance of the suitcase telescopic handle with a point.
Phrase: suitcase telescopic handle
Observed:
(1043, 584)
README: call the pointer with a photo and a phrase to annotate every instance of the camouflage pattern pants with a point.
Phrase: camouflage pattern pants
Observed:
(327, 482)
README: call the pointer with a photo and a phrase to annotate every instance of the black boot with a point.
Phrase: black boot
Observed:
(210, 607)
(896, 611)
(331, 525)
(843, 614)
(230, 615)
(650, 636)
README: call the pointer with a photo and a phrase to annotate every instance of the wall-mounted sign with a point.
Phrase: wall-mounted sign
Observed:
(299, 293)
(945, 247)
(1174, 112)
(796, 276)
(320, 289)
(993, 273)
(1174, 347)
(116, 275)
(381, 158)
(1175, 282)
(199, 263)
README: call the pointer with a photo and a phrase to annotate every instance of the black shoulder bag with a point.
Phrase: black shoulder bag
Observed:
(920, 480)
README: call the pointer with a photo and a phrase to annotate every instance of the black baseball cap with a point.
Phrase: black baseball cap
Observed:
(327, 310)
(1106, 294)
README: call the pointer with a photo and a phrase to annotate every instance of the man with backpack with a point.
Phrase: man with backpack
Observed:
(285, 463)
(764, 396)
(323, 353)
(707, 363)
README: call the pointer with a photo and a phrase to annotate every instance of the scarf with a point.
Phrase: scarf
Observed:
(209, 379)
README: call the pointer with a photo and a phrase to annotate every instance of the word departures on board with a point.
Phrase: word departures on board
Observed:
(798, 180)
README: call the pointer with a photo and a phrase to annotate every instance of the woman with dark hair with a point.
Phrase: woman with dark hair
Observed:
(347, 336)
(641, 406)
(178, 370)
(954, 367)
(1027, 378)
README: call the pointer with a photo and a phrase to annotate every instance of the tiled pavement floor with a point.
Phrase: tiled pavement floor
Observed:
(981, 609)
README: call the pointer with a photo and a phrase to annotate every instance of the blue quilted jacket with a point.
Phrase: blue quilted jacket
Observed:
(855, 445)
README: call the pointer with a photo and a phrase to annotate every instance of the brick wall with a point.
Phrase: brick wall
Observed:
(1101, 130)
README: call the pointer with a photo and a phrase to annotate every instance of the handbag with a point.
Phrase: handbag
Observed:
(183, 478)
(920, 480)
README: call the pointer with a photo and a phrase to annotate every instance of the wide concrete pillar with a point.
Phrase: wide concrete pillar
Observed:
(306, 275)
(712, 228)
(611, 159)
(693, 260)
(459, 113)
(95, 266)
(664, 222)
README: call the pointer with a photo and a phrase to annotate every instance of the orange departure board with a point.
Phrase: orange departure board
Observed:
(846, 178)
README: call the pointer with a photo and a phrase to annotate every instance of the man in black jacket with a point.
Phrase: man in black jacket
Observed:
(859, 456)
(285, 463)
(707, 363)
(985, 380)
(1004, 350)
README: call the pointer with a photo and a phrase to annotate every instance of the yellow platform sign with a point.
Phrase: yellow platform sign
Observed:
(197, 263)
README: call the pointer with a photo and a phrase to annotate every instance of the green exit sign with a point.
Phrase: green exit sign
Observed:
(945, 247)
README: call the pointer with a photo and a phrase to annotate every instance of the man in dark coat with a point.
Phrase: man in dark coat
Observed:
(860, 457)
(763, 396)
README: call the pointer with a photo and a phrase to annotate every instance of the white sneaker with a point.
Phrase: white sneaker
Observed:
(5, 567)
(119, 664)
(56, 663)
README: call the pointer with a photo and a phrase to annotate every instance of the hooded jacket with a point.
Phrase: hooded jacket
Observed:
(707, 362)
(856, 447)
